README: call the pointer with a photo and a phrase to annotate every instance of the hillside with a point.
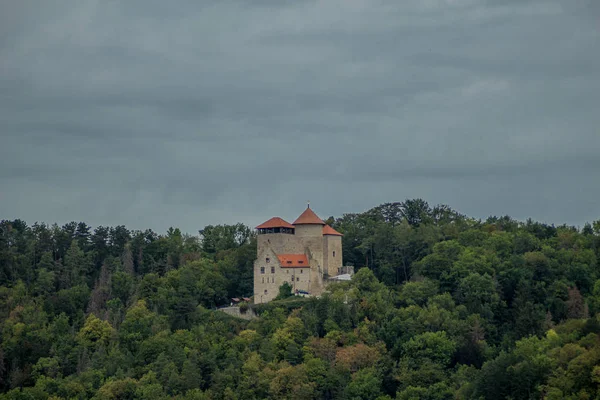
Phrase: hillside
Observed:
(442, 306)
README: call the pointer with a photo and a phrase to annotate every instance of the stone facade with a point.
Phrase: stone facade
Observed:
(303, 254)
(332, 251)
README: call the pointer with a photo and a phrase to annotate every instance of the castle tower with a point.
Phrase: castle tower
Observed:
(308, 224)
(303, 254)
(332, 251)
(309, 233)
(276, 233)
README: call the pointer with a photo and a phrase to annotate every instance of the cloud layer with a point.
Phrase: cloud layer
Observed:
(154, 115)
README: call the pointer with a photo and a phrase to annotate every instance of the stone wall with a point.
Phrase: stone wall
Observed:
(332, 254)
(281, 243)
(310, 238)
(235, 312)
(266, 285)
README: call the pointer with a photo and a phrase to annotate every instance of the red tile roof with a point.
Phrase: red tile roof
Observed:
(308, 217)
(293, 260)
(275, 222)
(327, 230)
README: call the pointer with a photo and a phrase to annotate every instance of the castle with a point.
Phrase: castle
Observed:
(304, 254)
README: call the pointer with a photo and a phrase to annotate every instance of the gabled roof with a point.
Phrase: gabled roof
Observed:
(308, 217)
(275, 222)
(327, 230)
(293, 261)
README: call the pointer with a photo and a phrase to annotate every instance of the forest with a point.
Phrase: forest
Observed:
(442, 306)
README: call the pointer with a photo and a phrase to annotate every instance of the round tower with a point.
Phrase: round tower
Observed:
(308, 224)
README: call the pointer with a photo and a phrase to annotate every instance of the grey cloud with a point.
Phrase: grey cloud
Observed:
(152, 115)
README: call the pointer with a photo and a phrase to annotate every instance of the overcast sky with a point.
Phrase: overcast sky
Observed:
(155, 114)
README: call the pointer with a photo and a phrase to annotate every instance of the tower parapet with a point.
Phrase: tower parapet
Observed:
(275, 225)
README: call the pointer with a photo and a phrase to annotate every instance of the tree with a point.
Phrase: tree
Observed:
(101, 292)
(416, 211)
(478, 293)
(118, 237)
(127, 260)
(139, 324)
(95, 332)
(430, 346)
(224, 237)
(77, 266)
(285, 291)
(442, 306)
(365, 385)
(576, 307)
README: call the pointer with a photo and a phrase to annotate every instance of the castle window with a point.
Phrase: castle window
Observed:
(300, 262)
(289, 262)
(268, 260)
(262, 270)
(334, 253)
(297, 279)
(272, 270)
(265, 291)
(301, 271)
(263, 279)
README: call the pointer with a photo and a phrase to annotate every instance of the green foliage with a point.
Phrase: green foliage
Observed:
(430, 346)
(441, 307)
(94, 333)
(285, 291)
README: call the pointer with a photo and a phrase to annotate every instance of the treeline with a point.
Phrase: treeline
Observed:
(442, 307)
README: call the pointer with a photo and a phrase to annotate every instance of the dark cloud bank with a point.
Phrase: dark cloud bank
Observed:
(152, 114)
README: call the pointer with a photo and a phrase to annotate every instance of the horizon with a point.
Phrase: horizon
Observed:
(324, 218)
